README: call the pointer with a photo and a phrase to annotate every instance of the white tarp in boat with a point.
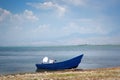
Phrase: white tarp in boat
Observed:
(45, 60)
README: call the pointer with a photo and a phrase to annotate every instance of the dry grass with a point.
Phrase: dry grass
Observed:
(96, 74)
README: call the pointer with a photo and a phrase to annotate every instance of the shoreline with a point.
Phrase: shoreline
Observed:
(70, 74)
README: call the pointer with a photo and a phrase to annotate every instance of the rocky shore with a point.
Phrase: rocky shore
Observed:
(72, 74)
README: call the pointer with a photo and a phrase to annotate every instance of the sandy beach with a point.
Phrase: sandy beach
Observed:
(72, 74)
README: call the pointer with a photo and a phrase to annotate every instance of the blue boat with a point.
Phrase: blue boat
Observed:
(68, 64)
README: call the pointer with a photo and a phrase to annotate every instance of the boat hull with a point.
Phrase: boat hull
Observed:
(68, 64)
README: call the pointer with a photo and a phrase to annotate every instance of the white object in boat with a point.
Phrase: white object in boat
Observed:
(45, 60)
(51, 61)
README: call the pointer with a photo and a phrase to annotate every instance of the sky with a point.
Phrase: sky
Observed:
(59, 22)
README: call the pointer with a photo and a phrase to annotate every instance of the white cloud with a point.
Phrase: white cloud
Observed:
(29, 15)
(75, 2)
(47, 31)
(45, 28)
(71, 30)
(4, 14)
(80, 27)
(44, 5)
(50, 5)
(26, 16)
(15, 20)
(85, 26)
(16, 27)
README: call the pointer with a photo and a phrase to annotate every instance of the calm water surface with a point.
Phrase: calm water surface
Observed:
(23, 59)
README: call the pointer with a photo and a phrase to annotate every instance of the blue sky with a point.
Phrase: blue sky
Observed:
(59, 22)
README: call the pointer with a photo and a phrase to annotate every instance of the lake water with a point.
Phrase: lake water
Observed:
(23, 59)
